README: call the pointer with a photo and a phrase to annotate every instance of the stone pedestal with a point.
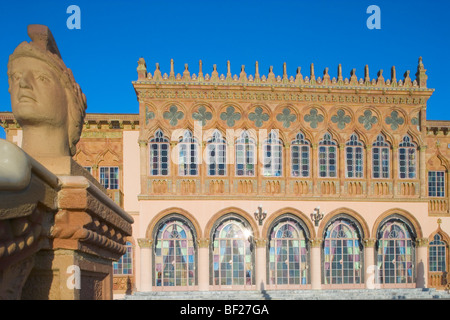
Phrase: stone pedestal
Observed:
(59, 234)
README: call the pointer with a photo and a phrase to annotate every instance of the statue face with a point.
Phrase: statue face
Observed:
(37, 94)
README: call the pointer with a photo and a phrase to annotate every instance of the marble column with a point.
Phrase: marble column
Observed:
(203, 264)
(422, 263)
(261, 271)
(370, 271)
(145, 246)
(316, 264)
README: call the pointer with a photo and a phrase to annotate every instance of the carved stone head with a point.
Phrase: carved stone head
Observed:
(46, 101)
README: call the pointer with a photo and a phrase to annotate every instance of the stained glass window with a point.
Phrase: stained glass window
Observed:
(300, 155)
(396, 252)
(125, 264)
(159, 155)
(245, 155)
(231, 254)
(327, 157)
(188, 155)
(436, 183)
(175, 254)
(342, 253)
(380, 158)
(437, 255)
(354, 158)
(109, 177)
(216, 155)
(288, 253)
(407, 159)
(273, 155)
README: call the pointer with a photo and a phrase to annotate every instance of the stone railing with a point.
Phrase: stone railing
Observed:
(59, 234)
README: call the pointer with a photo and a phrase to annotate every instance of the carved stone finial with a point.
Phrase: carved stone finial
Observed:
(298, 76)
(421, 75)
(243, 75)
(380, 79)
(257, 77)
(172, 72)
(340, 78)
(214, 74)
(312, 75)
(142, 69)
(366, 75)
(200, 71)
(186, 73)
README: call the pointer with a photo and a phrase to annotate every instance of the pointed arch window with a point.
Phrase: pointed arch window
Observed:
(273, 155)
(342, 253)
(436, 184)
(175, 254)
(288, 253)
(437, 255)
(232, 254)
(216, 155)
(381, 158)
(327, 157)
(159, 154)
(407, 157)
(354, 158)
(245, 152)
(188, 155)
(300, 156)
(395, 253)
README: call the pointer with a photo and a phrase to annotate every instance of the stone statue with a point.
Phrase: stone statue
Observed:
(46, 101)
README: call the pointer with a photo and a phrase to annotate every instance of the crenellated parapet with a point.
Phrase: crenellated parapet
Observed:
(298, 80)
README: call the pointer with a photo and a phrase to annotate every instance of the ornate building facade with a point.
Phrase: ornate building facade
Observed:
(276, 182)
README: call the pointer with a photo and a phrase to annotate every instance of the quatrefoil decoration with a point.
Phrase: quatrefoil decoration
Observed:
(173, 115)
(258, 117)
(149, 115)
(230, 116)
(286, 117)
(314, 118)
(394, 120)
(368, 120)
(341, 119)
(202, 115)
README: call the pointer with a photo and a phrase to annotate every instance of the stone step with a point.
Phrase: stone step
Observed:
(345, 294)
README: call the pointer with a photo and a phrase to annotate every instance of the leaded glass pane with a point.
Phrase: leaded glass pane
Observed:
(125, 264)
(159, 155)
(436, 183)
(300, 155)
(437, 255)
(174, 255)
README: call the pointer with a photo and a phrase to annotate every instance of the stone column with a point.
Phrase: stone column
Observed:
(146, 264)
(422, 263)
(423, 171)
(203, 264)
(314, 168)
(316, 264)
(341, 167)
(144, 165)
(370, 271)
(368, 168)
(260, 272)
(395, 171)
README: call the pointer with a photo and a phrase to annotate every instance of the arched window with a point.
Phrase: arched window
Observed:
(273, 155)
(232, 256)
(125, 264)
(342, 253)
(175, 253)
(327, 157)
(437, 255)
(216, 155)
(188, 155)
(395, 253)
(245, 155)
(407, 158)
(354, 158)
(300, 155)
(288, 253)
(159, 155)
(381, 158)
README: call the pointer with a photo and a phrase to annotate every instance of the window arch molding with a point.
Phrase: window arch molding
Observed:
(235, 211)
(400, 214)
(296, 214)
(172, 211)
(345, 212)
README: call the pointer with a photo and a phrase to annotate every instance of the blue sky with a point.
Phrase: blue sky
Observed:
(103, 54)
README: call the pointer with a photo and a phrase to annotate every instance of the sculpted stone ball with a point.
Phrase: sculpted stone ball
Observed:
(46, 101)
